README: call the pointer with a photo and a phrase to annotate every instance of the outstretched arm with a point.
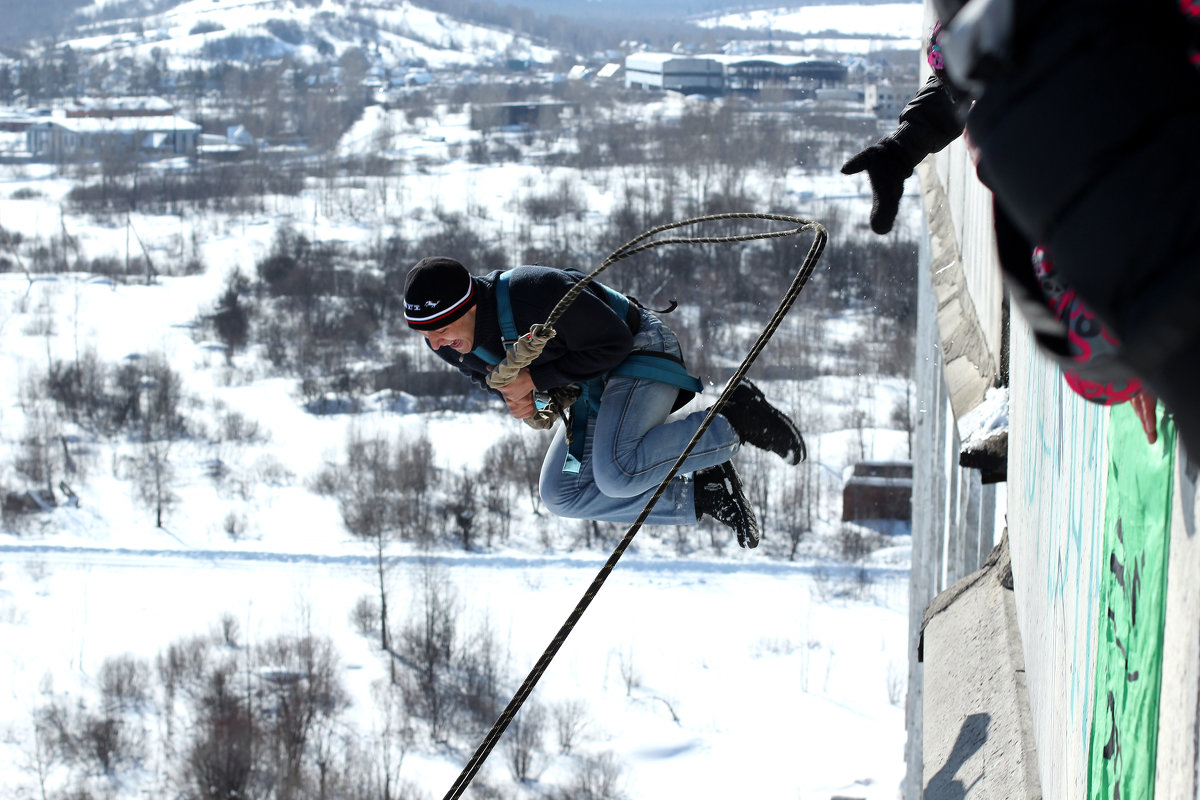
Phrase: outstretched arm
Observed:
(930, 121)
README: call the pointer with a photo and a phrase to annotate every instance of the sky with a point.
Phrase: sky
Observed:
(752, 676)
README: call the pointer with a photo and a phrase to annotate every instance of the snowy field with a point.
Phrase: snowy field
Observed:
(705, 676)
(860, 28)
(705, 679)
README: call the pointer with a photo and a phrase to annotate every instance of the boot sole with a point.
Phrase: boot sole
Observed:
(794, 455)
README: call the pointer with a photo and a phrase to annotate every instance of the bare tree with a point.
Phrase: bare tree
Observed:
(301, 690)
(570, 720)
(367, 496)
(47, 755)
(229, 628)
(481, 663)
(523, 742)
(793, 520)
(99, 740)
(382, 491)
(161, 426)
(394, 738)
(181, 668)
(597, 777)
(427, 646)
(124, 682)
(497, 504)
(416, 474)
(461, 506)
(519, 456)
(629, 673)
(40, 457)
(223, 758)
(365, 615)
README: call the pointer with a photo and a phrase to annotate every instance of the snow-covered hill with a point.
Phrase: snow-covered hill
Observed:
(202, 32)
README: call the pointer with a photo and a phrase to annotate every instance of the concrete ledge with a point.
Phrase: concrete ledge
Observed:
(978, 732)
(968, 364)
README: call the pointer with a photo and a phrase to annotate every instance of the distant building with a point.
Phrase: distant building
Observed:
(667, 71)
(878, 490)
(609, 71)
(841, 94)
(146, 127)
(118, 107)
(236, 142)
(548, 114)
(882, 100)
(718, 73)
(16, 121)
(797, 74)
(64, 139)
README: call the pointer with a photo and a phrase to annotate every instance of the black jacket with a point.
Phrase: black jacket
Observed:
(1086, 131)
(932, 119)
(591, 338)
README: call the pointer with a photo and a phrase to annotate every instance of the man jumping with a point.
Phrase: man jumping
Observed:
(631, 373)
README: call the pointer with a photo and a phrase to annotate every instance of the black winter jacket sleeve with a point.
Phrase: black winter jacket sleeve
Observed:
(932, 119)
(591, 338)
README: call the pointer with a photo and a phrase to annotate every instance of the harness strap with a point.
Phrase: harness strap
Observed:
(660, 367)
(508, 326)
(486, 355)
(641, 364)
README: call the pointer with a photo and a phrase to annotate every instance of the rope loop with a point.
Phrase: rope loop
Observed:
(634, 246)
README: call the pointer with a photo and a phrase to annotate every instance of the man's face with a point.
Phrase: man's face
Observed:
(458, 335)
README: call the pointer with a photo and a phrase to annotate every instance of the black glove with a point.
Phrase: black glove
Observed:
(887, 168)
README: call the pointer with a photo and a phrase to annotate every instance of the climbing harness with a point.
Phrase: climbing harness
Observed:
(531, 344)
(576, 404)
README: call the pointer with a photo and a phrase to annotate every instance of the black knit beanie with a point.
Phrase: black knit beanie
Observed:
(438, 291)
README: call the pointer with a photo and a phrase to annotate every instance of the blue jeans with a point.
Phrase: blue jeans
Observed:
(630, 447)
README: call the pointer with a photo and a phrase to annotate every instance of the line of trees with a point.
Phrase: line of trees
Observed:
(214, 716)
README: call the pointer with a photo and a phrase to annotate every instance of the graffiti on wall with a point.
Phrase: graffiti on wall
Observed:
(1060, 506)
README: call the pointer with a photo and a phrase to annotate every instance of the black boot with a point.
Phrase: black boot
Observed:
(760, 424)
(719, 494)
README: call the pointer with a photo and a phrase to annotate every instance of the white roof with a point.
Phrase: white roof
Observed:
(658, 59)
(161, 123)
(93, 104)
(770, 58)
(643, 60)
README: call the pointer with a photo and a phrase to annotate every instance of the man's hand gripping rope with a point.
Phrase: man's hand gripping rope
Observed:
(511, 379)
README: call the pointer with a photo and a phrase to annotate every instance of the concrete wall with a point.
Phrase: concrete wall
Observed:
(1056, 480)
(956, 519)
(1066, 564)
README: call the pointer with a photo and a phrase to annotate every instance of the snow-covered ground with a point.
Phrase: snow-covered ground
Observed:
(785, 679)
(860, 28)
(704, 678)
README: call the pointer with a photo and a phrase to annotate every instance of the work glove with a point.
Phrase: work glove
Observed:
(887, 168)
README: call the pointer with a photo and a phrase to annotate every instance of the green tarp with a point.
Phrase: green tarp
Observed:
(1137, 535)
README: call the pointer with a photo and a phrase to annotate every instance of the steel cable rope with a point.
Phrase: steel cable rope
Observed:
(630, 248)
